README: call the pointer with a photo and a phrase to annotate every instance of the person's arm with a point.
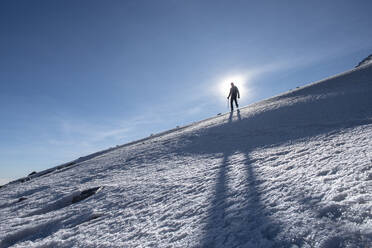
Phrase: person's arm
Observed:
(229, 94)
(238, 92)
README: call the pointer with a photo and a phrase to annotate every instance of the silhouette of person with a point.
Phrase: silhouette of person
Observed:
(234, 92)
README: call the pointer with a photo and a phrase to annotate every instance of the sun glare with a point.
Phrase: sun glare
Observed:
(241, 81)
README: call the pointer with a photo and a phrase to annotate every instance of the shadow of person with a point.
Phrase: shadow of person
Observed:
(238, 224)
(239, 116)
(238, 217)
(230, 116)
(232, 113)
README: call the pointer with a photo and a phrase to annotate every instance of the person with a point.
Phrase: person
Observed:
(234, 92)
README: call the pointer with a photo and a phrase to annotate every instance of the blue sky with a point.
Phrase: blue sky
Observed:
(81, 76)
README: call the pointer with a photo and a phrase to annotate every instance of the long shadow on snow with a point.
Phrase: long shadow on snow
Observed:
(250, 225)
(244, 224)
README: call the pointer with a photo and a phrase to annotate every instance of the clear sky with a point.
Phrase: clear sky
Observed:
(81, 76)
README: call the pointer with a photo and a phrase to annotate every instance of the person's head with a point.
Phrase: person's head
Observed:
(232, 84)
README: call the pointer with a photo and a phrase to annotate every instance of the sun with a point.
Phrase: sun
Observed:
(239, 80)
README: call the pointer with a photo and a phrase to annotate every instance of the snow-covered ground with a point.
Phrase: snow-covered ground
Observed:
(291, 171)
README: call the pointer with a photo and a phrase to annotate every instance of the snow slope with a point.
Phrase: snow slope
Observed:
(291, 171)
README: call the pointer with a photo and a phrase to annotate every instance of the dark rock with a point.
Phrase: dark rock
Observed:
(365, 61)
(21, 199)
(85, 194)
(32, 173)
(25, 179)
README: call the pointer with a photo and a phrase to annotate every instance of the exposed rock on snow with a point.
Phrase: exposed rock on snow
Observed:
(365, 61)
(22, 199)
(67, 200)
(32, 173)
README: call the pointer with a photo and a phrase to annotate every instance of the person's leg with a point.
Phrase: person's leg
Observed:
(231, 104)
(236, 102)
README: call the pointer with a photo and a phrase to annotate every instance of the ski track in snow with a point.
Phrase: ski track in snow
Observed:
(291, 171)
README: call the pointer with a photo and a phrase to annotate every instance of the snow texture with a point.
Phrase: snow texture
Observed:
(294, 170)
